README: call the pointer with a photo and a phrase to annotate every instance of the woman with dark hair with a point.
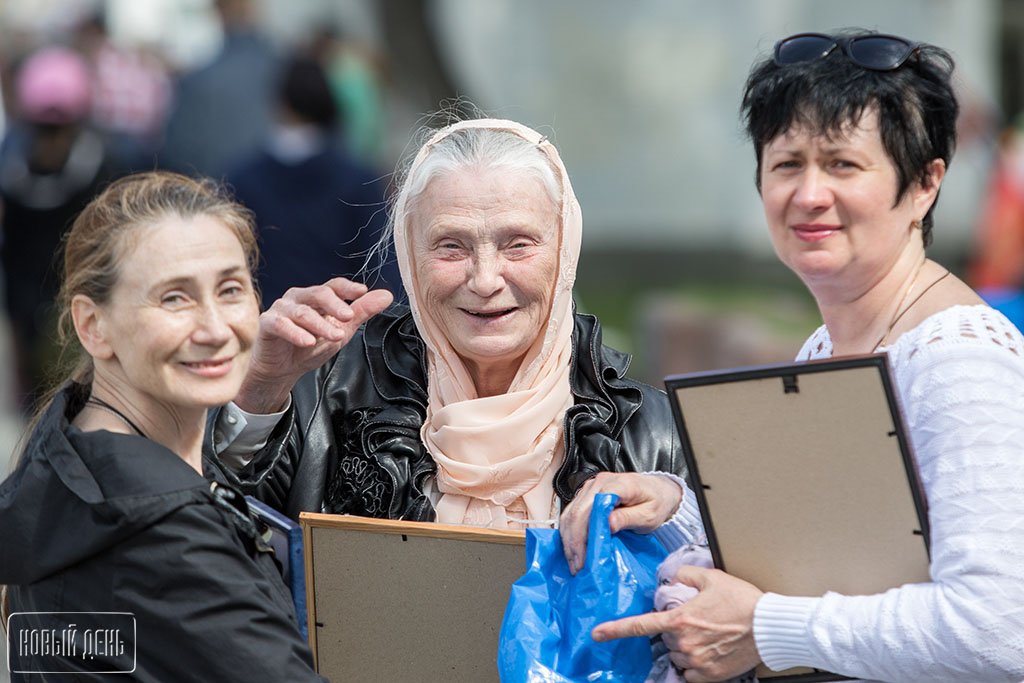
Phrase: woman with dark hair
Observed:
(112, 508)
(853, 134)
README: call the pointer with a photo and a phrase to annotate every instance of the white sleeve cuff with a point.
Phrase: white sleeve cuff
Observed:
(238, 435)
(782, 630)
(685, 526)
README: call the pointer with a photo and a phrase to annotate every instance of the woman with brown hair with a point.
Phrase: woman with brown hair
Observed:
(112, 508)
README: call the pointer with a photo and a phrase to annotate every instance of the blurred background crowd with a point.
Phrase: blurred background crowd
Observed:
(305, 106)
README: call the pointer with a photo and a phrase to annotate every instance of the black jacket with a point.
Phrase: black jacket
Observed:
(350, 443)
(104, 522)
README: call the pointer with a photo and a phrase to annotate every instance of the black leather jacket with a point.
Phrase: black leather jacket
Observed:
(350, 443)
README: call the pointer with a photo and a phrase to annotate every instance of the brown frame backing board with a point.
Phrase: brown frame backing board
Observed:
(805, 478)
(400, 601)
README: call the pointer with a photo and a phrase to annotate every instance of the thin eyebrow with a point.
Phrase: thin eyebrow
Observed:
(838, 148)
(443, 231)
(832, 148)
(439, 230)
(231, 271)
(784, 151)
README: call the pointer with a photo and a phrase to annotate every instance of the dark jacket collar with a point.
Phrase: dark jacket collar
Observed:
(397, 359)
(74, 494)
(396, 356)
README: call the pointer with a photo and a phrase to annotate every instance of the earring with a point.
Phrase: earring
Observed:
(917, 224)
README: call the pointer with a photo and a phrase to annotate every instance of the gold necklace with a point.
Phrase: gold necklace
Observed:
(901, 311)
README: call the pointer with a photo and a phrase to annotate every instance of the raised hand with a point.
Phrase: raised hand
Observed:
(299, 332)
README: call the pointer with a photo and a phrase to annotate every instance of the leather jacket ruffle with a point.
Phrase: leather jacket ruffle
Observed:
(350, 442)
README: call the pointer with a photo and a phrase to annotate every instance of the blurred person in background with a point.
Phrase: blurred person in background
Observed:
(3, 105)
(354, 72)
(997, 266)
(52, 162)
(131, 91)
(318, 211)
(224, 109)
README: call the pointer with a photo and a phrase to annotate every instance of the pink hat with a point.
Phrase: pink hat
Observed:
(54, 86)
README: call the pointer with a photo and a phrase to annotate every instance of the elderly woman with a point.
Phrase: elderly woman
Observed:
(853, 134)
(487, 401)
(111, 507)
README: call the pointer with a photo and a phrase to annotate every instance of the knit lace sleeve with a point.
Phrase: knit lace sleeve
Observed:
(960, 376)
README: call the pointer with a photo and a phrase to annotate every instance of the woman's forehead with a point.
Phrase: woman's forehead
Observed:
(175, 246)
(801, 131)
(483, 190)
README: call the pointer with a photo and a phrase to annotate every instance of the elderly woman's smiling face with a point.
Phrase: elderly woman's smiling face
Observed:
(485, 252)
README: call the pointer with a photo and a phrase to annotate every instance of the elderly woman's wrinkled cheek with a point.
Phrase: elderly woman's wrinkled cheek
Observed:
(444, 287)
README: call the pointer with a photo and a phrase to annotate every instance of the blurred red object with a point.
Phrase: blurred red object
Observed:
(999, 256)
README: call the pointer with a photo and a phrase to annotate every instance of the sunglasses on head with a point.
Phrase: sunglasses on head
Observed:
(874, 51)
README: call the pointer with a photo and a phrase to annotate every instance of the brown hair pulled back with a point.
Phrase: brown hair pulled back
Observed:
(105, 232)
(111, 225)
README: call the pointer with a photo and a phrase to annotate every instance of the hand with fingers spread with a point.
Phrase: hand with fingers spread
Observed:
(646, 501)
(711, 637)
(299, 332)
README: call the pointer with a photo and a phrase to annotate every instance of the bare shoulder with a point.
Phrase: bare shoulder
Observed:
(958, 293)
(937, 289)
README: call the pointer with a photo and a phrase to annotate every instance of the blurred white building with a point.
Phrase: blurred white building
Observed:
(642, 97)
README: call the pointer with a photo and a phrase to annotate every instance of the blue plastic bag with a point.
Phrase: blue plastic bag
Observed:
(545, 635)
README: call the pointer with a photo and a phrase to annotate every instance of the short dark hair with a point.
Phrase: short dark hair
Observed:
(917, 108)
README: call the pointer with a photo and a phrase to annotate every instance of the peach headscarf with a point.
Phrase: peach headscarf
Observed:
(498, 452)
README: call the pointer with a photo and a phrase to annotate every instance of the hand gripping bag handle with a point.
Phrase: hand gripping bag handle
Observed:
(545, 635)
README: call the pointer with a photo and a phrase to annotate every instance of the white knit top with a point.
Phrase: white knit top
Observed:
(960, 377)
